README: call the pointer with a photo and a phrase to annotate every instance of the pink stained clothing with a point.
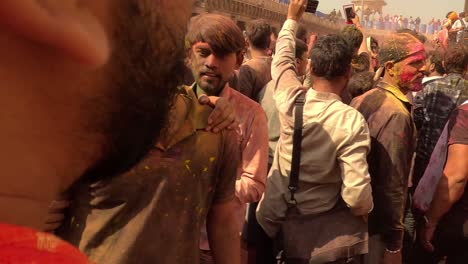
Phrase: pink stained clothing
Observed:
(251, 140)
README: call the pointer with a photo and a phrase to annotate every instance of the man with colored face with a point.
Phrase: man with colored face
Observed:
(388, 114)
(216, 44)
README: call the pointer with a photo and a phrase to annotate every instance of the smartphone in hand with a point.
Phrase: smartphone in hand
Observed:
(312, 6)
(349, 13)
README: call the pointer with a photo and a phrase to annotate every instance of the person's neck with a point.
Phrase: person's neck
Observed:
(329, 86)
(435, 74)
(257, 53)
(393, 83)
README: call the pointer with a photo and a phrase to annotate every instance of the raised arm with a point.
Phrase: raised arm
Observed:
(283, 68)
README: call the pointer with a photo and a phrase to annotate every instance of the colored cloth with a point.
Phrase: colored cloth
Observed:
(457, 218)
(266, 100)
(334, 147)
(154, 212)
(24, 245)
(250, 143)
(432, 110)
(456, 129)
(388, 114)
(254, 75)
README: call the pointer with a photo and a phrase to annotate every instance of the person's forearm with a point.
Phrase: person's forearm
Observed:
(285, 49)
(448, 192)
(223, 233)
(251, 185)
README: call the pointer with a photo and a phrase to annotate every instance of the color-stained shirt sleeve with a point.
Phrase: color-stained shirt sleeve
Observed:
(227, 173)
(394, 164)
(458, 124)
(251, 184)
(356, 190)
(283, 70)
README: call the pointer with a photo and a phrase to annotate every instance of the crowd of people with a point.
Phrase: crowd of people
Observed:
(130, 137)
(372, 19)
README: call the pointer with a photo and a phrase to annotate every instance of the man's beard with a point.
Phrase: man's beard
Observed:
(146, 69)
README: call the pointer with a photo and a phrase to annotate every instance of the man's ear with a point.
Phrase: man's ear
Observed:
(390, 68)
(66, 26)
(431, 67)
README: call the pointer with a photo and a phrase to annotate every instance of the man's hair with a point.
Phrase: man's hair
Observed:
(302, 32)
(360, 83)
(274, 30)
(353, 36)
(417, 35)
(258, 33)
(436, 57)
(456, 59)
(330, 57)
(360, 63)
(395, 47)
(220, 32)
(301, 48)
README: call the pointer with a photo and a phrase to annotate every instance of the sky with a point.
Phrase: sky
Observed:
(426, 9)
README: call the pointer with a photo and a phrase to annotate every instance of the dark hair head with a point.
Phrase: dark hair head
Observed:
(396, 47)
(360, 83)
(302, 33)
(353, 36)
(301, 48)
(259, 33)
(436, 57)
(220, 32)
(274, 30)
(456, 59)
(360, 63)
(330, 57)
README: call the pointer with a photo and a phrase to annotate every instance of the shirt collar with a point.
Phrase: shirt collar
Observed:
(428, 79)
(395, 91)
(195, 118)
(324, 95)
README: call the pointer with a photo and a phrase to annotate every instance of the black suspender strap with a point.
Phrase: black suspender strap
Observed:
(296, 150)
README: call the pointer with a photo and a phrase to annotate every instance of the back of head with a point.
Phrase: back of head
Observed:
(330, 57)
(436, 57)
(360, 83)
(302, 33)
(301, 48)
(220, 32)
(259, 34)
(397, 47)
(353, 36)
(456, 59)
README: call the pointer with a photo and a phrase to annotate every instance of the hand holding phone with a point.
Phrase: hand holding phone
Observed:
(312, 6)
(349, 13)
